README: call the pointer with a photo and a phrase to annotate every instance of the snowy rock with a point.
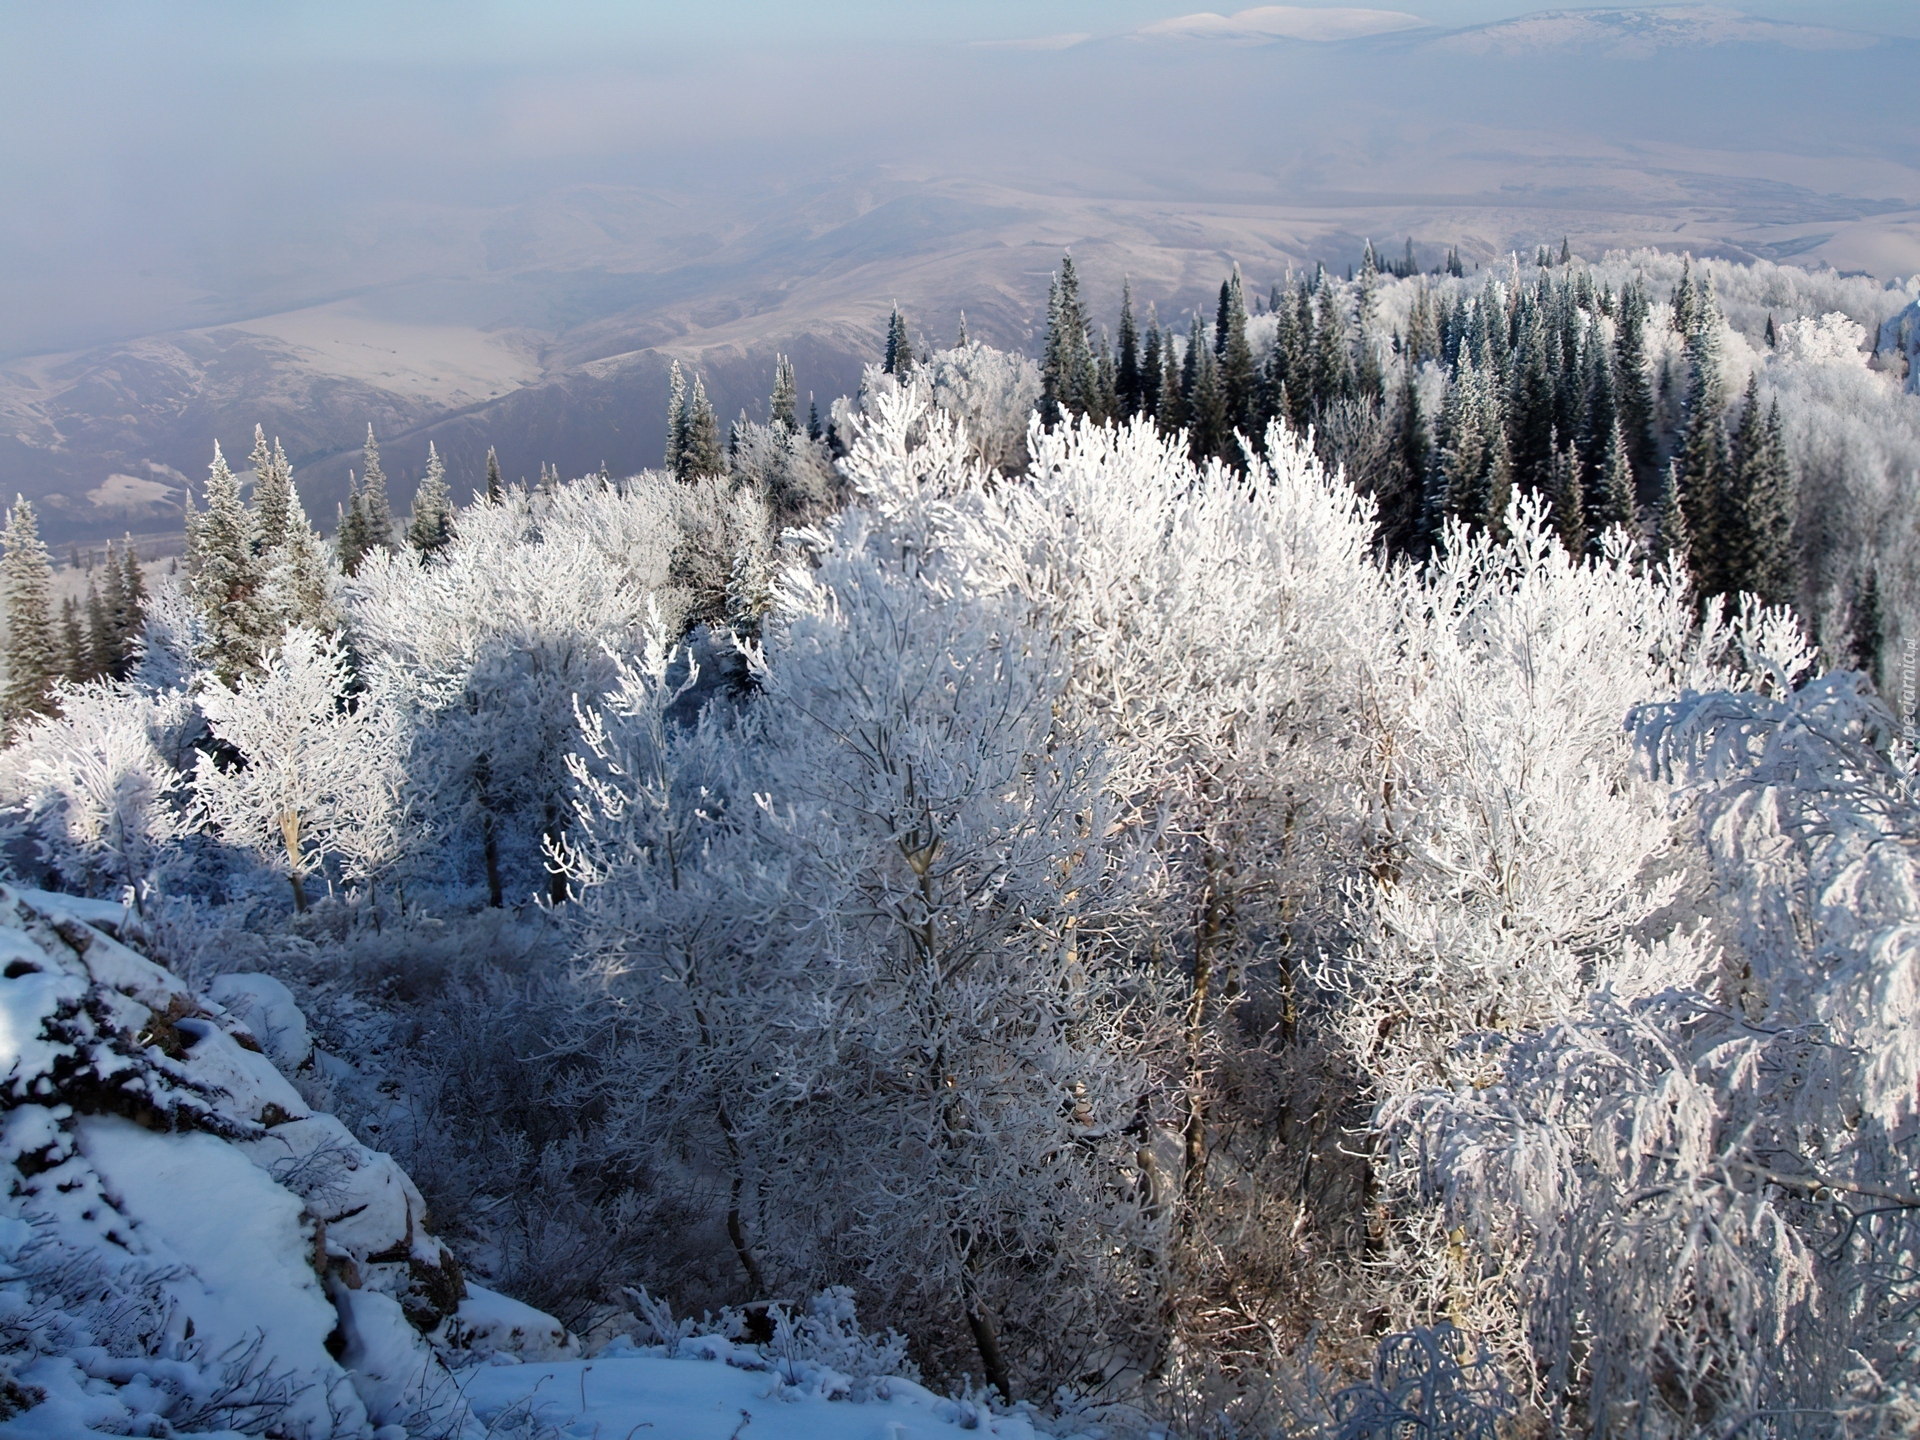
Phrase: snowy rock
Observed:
(185, 1245)
(490, 1324)
(267, 1008)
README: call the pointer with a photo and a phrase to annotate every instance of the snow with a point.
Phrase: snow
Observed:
(617, 1394)
(266, 1007)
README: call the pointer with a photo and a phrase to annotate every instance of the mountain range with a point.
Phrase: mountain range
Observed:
(1276, 138)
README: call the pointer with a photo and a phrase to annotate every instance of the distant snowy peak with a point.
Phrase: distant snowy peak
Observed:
(1281, 22)
(1640, 33)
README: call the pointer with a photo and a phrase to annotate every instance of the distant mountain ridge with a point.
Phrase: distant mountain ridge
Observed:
(1640, 32)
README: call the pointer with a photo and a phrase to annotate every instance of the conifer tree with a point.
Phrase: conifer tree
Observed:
(1566, 250)
(32, 661)
(430, 525)
(1209, 430)
(73, 642)
(1705, 462)
(1239, 382)
(782, 404)
(1106, 394)
(100, 656)
(1172, 411)
(1633, 380)
(374, 504)
(1762, 510)
(226, 577)
(1867, 634)
(496, 490)
(813, 413)
(899, 360)
(350, 530)
(1671, 543)
(1150, 367)
(1069, 380)
(1126, 380)
(1404, 501)
(1614, 498)
(676, 459)
(1773, 336)
(1331, 358)
(300, 581)
(1685, 300)
(272, 487)
(961, 340)
(1569, 500)
(702, 456)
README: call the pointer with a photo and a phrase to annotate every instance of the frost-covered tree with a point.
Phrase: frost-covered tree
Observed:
(317, 777)
(93, 787)
(226, 577)
(375, 506)
(781, 405)
(701, 453)
(495, 489)
(430, 526)
(32, 659)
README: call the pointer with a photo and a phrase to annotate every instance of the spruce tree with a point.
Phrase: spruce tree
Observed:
(1173, 388)
(114, 654)
(1764, 503)
(1569, 500)
(375, 506)
(1150, 368)
(1614, 498)
(703, 455)
(1705, 461)
(1773, 336)
(1106, 383)
(676, 459)
(1332, 356)
(1239, 381)
(73, 642)
(100, 656)
(430, 525)
(300, 580)
(32, 661)
(1403, 504)
(350, 531)
(899, 362)
(226, 578)
(1209, 432)
(1633, 379)
(496, 490)
(1867, 633)
(1671, 543)
(813, 418)
(1126, 380)
(961, 340)
(781, 405)
(272, 487)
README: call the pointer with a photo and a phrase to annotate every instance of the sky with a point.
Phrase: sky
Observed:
(163, 151)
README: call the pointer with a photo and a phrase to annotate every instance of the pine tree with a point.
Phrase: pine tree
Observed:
(1210, 432)
(300, 581)
(961, 339)
(374, 504)
(1332, 354)
(1633, 380)
(1150, 367)
(1867, 634)
(272, 487)
(1239, 381)
(1705, 461)
(226, 578)
(1126, 380)
(1106, 383)
(100, 656)
(781, 404)
(1172, 411)
(430, 526)
(73, 642)
(1761, 515)
(113, 654)
(813, 416)
(1671, 543)
(496, 490)
(676, 460)
(1566, 250)
(32, 661)
(1773, 336)
(899, 360)
(1569, 500)
(1614, 500)
(350, 531)
(1402, 507)
(1685, 300)
(703, 455)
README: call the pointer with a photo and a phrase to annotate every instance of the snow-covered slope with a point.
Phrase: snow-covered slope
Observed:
(188, 1247)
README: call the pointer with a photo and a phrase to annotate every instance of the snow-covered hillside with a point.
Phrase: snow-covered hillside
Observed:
(187, 1246)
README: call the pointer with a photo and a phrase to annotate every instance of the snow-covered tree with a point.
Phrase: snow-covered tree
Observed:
(32, 660)
(316, 775)
(226, 577)
(430, 526)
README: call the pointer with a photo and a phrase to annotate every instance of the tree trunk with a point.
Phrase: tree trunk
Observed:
(556, 880)
(494, 896)
(290, 832)
(985, 1339)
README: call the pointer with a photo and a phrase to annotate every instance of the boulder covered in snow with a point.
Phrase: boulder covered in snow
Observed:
(1899, 343)
(185, 1243)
